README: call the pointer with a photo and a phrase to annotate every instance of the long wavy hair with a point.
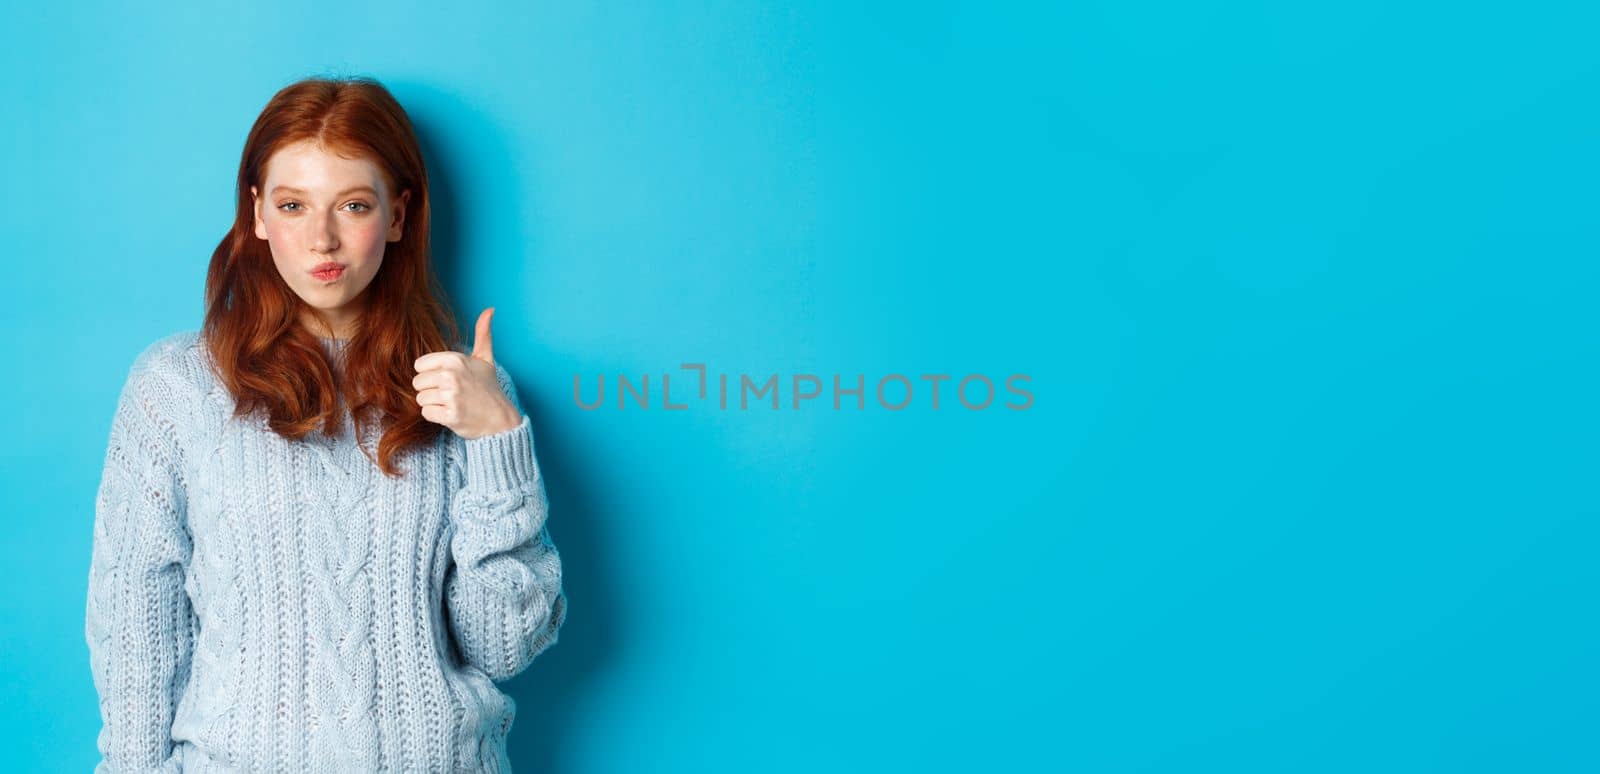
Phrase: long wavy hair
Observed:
(261, 352)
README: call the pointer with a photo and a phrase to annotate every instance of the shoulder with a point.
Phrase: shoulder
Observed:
(183, 359)
(165, 352)
(155, 404)
(165, 370)
(157, 361)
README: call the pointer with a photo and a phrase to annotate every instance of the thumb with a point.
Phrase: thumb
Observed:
(482, 341)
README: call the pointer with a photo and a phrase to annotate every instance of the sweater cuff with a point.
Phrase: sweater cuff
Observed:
(502, 461)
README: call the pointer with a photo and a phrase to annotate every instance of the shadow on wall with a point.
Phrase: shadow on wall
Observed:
(553, 684)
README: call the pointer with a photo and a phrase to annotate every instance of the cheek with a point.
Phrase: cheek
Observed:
(369, 234)
(278, 231)
(365, 244)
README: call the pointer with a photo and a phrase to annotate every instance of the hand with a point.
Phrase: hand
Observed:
(462, 392)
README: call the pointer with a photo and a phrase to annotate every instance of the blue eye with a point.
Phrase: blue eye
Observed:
(362, 205)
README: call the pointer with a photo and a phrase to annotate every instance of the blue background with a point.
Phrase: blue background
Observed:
(1307, 296)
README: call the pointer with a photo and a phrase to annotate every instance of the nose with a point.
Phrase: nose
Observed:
(325, 234)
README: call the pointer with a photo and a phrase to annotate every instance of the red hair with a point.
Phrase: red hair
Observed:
(261, 352)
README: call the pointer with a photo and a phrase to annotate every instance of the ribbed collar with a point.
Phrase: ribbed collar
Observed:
(334, 349)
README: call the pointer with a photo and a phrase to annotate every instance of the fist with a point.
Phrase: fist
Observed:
(462, 392)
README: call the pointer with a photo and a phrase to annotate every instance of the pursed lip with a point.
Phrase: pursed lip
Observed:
(322, 267)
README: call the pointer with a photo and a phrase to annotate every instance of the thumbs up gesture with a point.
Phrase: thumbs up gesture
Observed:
(462, 392)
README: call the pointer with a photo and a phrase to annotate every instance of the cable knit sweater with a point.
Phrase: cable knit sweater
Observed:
(262, 605)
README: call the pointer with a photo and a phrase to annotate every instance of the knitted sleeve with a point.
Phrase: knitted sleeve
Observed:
(503, 589)
(139, 624)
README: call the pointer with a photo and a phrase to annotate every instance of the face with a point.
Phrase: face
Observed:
(320, 208)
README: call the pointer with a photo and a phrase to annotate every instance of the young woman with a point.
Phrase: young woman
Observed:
(320, 534)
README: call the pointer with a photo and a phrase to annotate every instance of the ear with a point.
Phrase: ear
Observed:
(261, 226)
(397, 227)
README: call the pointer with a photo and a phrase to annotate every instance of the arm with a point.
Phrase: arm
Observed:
(503, 591)
(138, 622)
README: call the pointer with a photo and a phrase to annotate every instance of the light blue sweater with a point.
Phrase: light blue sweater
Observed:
(262, 605)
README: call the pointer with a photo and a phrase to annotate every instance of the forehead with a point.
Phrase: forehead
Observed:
(312, 167)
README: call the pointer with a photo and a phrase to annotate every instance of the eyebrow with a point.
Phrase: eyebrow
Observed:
(288, 189)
